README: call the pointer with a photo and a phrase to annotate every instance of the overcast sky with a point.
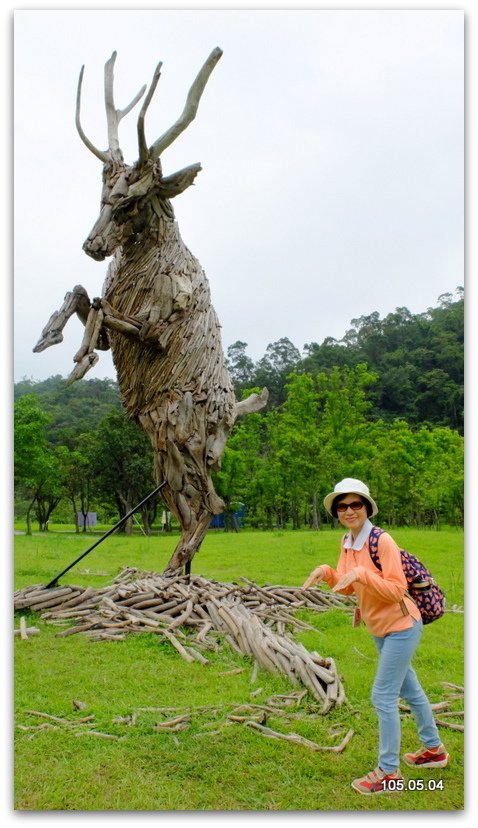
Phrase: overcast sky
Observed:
(331, 144)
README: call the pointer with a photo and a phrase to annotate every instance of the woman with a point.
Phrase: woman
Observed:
(394, 621)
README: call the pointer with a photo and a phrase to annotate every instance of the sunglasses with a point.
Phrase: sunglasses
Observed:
(356, 505)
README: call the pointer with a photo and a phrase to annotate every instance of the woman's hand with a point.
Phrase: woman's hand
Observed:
(315, 577)
(345, 581)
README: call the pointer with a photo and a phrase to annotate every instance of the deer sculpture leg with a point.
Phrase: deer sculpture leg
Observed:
(86, 357)
(188, 445)
(191, 537)
(195, 504)
(97, 317)
(76, 301)
(255, 402)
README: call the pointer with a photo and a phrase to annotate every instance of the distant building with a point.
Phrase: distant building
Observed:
(91, 519)
(230, 518)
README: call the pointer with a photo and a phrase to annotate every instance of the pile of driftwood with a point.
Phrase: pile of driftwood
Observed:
(190, 611)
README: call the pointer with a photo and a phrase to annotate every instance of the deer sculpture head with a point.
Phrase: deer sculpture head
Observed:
(133, 194)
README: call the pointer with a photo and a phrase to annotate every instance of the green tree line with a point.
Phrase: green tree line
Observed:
(384, 404)
(418, 360)
(283, 462)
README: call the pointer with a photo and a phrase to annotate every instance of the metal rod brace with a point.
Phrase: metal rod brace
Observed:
(55, 580)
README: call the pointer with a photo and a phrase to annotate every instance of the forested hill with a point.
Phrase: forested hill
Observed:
(417, 360)
(74, 409)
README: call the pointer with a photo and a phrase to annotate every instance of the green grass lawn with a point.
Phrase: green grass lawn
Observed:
(214, 765)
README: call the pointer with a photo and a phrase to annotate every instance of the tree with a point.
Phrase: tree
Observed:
(247, 473)
(392, 470)
(122, 464)
(438, 491)
(331, 353)
(35, 466)
(417, 475)
(344, 431)
(439, 399)
(240, 367)
(296, 448)
(280, 359)
(78, 479)
(227, 482)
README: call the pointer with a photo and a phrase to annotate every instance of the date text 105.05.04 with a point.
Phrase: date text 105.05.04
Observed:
(414, 785)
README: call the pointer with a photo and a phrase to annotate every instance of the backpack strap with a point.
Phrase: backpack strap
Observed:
(373, 537)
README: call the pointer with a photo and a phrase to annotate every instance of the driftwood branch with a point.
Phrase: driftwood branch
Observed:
(253, 403)
(450, 725)
(91, 334)
(142, 145)
(452, 686)
(173, 185)
(113, 115)
(300, 740)
(76, 301)
(190, 109)
(84, 365)
(28, 631)
(103, 156)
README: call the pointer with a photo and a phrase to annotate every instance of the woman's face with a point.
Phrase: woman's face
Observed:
(352, 519)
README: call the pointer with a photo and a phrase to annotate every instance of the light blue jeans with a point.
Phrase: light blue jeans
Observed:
(395, 679)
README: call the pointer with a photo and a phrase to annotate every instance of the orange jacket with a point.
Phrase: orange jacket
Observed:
(378, 593)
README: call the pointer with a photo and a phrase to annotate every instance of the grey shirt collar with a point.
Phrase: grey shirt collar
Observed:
(350, 543)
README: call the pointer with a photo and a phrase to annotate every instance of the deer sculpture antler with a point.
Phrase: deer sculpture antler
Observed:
(114, 116)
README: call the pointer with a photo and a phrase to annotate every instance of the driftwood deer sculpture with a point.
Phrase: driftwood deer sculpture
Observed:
(156, 315)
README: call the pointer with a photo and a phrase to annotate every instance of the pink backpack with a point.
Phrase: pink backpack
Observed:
(421, 585)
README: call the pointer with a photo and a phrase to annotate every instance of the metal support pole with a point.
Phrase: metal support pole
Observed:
(55, 580)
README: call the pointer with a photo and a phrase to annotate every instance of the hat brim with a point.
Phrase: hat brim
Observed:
(329, 499)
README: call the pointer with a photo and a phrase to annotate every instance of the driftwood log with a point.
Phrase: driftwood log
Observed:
(155, 314)
(189, 612)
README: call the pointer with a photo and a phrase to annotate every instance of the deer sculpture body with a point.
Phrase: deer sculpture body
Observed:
(155, 314)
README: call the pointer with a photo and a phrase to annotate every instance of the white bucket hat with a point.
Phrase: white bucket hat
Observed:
(349, 485)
